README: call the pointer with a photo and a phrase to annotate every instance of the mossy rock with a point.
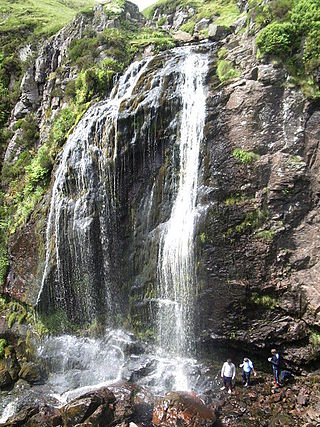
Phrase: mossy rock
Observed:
(30, 372)
(12, 363)
(5, 377)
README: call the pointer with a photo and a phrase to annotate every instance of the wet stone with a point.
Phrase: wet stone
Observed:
(182, 408)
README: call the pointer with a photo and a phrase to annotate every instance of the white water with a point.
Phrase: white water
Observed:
(83, 145)
(177, 287)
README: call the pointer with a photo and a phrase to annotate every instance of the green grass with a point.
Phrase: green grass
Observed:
(225, 71)
(226, 10)
(43, 16)
(245, 157)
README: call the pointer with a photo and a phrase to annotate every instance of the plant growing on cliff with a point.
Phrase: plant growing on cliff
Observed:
(3, 344)
(266, 301)
(245, 157)
(225, 71)
(277, 39)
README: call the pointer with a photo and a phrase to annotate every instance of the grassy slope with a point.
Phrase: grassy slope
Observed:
(44, 16)
(227, 10)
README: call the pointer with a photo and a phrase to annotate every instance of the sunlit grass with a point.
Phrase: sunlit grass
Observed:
(44, 16)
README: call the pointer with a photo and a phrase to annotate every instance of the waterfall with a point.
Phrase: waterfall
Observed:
(81, 254)
(176, 275)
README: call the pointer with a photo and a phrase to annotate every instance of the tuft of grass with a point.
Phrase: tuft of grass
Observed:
(253, 220)
(315, 338)
(3, 344)
(290, 31)
(245, 157)
(225, 71)
(266, 301)
(266, 235)
(235, 199)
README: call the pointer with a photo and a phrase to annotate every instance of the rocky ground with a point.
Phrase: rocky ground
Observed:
(294, 404)
(125, 405)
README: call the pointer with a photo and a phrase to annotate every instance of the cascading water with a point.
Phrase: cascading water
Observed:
(82, 220)
(176, 251)
(82, 256)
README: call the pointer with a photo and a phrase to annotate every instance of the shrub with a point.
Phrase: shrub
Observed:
(311, 55)
(276, 39)
(305, 15)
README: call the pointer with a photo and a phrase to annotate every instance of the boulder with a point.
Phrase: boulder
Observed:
(93, 405)
(182, 36)
(202, 25)
(218, 32)
(183, 408)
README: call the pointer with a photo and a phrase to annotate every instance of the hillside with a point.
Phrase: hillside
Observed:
(40, 16)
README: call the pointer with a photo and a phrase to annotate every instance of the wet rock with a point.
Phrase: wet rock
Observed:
(181, 408)
(22, 417)
(80, 409)
(268, 75)
(46, 417)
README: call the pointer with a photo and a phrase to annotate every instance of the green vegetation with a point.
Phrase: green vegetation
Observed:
(315, 338)
(291, 33)
(266, 301)
(266, 235)
(225, 71)
(235, 199)
(253, 220)
(226, 10)
(245, 157)
(17, 312)
(39, 16)
(3, 344)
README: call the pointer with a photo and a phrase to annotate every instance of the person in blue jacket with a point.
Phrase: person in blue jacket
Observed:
(275, 360)
(247, 368)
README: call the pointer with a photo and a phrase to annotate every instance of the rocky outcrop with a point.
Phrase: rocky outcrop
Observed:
(105, 407)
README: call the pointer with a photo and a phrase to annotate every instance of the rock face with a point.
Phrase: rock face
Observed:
(257, 235)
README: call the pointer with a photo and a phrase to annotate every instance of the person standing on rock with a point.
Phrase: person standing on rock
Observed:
(228, 373)
(275, 360)
(247, 368)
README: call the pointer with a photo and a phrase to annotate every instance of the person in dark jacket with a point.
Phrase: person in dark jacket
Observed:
(275, 360)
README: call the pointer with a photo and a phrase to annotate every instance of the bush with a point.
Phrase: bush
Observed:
(311, 55)
(305, 15)
(276, 39)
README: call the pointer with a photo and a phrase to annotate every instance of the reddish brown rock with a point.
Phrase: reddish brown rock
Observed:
(183, 408)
